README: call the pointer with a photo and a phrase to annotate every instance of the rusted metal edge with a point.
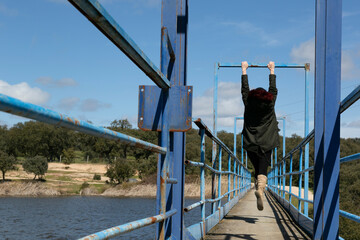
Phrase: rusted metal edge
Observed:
(97, 14)
(128, 227)
(32, 111)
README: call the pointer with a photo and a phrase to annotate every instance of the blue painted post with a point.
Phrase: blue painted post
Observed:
(284, 138)
(300, 177)
(229, 170)
(276, 176)
(175, 18)
(163, 163)
(202, 178)
(235, 177)
(219, 178)
(235, 119)
(239, 178)
(235, 136)
(290, 180)
(327, 118)
(214, 132)
(306, 177)
(284, 178)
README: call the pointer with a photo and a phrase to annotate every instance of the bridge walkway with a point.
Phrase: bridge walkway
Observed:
(244, 221)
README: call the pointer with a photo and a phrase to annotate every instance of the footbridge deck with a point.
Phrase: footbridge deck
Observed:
(244, 221)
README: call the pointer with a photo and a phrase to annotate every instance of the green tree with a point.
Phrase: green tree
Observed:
(69, 156)
(7, 163)
(119, 171)
(37, 165)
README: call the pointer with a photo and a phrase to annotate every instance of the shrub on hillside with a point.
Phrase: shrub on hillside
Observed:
(96, 177)
(7, 163)
(119, 171)
(69, 156)
(37, 165)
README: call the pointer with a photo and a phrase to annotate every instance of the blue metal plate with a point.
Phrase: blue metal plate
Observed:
(180, 115)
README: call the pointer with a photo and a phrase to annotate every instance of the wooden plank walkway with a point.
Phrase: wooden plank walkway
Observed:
(244, 221)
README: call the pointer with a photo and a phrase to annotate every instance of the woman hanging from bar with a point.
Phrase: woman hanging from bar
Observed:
(260, 132)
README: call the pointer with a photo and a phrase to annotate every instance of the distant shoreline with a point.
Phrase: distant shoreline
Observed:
(136, 190)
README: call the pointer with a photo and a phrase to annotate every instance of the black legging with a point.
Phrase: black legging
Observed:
(260, 161)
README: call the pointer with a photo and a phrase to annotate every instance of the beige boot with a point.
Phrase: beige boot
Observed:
(259, 193)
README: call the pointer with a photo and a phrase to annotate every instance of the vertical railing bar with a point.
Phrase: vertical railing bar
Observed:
(235, 178)
(215, 131)
(229, 169)
(284, 178)
(300, 177)
(291, 176)
(202, 179)
(306, 176)
(219, 178)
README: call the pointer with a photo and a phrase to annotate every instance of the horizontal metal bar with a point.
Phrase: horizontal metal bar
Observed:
(262, 65)
(171, 181)
(297, 172)
(299, 198)
(128, 227)
(97, 14)
(350, 158)
(350, 216)
(350, 99)
(28, 110)
(199, 164)
(198, 204)
(208, 133)
(194, 205)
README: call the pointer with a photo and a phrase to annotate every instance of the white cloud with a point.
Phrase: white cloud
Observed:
(68, 104)
(92, 105)
(24, 92)
(257, 32)
(229, 105)
(305, 52)
(50, 82)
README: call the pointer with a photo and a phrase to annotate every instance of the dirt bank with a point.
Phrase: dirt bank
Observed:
(29, 189)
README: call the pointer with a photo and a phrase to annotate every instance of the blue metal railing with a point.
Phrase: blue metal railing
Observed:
(239, 174)
(278, 174)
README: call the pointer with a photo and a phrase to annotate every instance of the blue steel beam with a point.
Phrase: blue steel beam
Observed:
(28, 110)
(260, 65)
(128, 227)
(97, 14)
(174, 18)
(327, 118)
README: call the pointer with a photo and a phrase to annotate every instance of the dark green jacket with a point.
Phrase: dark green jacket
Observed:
(260, 132)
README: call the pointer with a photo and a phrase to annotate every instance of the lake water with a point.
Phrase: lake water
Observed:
(75, 217)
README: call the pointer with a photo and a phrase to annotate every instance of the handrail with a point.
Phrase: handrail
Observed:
(28, 110)
(128, 227)
(96, 14)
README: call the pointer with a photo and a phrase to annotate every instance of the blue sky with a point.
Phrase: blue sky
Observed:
(53, 56)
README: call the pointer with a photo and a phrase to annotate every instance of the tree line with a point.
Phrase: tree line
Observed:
(34, 144)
